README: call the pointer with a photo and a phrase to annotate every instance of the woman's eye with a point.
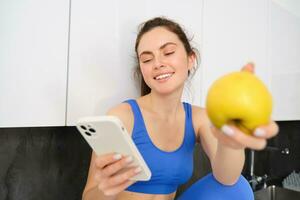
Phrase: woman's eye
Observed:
(145, 61)
(169, 53)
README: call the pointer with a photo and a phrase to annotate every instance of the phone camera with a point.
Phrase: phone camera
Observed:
(92, 130)
(88, 133)
(83, 127)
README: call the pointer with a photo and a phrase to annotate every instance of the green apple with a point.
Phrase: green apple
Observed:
(241, 99)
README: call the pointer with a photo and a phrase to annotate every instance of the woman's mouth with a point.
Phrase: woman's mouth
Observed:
(163, 77)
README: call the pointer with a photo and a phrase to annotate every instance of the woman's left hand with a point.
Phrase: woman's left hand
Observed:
(230, 135)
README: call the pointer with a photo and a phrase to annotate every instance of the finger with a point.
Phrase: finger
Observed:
(117, 166)
(111, 182)
(224, 139)
(103, 160)
(267, 131)
(117, 189)
(102, 185)
(244, 139)
(125, 176)
(249, 67)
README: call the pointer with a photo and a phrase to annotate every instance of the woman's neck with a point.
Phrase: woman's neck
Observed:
(165, 107)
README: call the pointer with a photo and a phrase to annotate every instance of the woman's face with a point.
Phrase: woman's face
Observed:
(163, 60)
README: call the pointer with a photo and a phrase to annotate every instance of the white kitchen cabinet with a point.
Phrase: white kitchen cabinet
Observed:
(42, 85)
(234, 33)
(284, 58)
(102, 38)
(33, 62)
(264, 32)
(101, 51)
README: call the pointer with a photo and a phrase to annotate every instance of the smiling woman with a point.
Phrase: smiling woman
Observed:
(165, 131)
(166, 49)
(166, 57)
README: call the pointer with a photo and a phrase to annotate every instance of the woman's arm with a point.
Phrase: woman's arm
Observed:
(225, 147)
(91, 190)
(103, 182)
(226, 162)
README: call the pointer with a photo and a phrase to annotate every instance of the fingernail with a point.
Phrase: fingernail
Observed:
(117, 156)
(259, 132)
(128, 159)
(138, 169)
(227, 130)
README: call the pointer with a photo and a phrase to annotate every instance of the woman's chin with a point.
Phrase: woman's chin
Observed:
(167, 91)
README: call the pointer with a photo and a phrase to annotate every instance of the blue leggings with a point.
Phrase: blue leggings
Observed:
(208, 188)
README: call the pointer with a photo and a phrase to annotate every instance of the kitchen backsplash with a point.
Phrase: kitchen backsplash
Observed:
(283, 153)
(42, 163)
(52, 162)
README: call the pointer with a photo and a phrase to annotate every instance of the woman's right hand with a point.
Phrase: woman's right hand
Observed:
(113, 172)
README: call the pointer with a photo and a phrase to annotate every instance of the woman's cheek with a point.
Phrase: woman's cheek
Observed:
(145, 73)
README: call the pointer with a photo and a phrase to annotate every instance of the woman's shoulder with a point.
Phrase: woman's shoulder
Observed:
(124, 113)
(197, 110)
(199, 113)
(200, 117)
(119, 109)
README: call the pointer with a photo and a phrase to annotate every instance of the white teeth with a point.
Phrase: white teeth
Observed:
(163, 76)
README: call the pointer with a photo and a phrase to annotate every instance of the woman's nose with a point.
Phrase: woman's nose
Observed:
(158, 63)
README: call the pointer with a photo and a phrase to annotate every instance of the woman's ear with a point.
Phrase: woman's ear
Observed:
(191, 61)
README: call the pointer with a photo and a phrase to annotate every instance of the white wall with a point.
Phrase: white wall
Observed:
(51, 78)
(228, 34)
(102, 49)
(234, 33)
(284, 58)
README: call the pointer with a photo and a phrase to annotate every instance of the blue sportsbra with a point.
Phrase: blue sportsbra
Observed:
(169, 169)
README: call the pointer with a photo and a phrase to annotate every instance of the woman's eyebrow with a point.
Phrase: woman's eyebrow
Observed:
(161, 47)
(166, 44)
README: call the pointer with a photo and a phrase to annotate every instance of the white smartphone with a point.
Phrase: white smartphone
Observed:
(107, 134)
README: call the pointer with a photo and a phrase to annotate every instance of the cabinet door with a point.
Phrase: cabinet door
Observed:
(102, 40)
(284, 56)
(101, 52)
(234, 33)
(33, 62)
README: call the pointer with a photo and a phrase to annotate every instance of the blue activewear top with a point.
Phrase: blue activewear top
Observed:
(169, 169)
